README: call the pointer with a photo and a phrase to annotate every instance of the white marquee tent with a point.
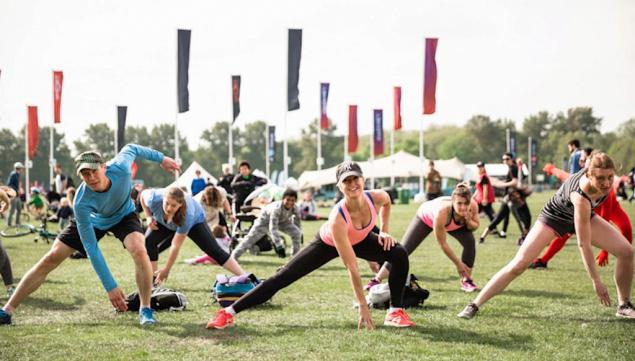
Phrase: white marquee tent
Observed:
(400, 164)
(185, 180)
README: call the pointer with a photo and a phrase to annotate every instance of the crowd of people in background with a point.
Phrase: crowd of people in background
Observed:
(150, 221)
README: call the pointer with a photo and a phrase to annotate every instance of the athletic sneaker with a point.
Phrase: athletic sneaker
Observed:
(146, 316)
(221, 320)
(469, 311)
(538, 264)
(398, 318)
(626, 310)
(502, 234)
(468, 285)
(373, 282)
(280, 251)
(5, 318)
(10, 291)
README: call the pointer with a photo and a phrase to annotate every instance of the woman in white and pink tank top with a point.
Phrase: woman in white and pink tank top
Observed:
(456, 215)
(350, 232)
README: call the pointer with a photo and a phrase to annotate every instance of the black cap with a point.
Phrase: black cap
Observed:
(347, 169)
(480, 164)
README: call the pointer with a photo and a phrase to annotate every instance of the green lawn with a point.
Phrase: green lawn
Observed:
(550, 315)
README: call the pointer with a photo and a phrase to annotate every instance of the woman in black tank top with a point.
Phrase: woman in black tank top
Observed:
(573, 206)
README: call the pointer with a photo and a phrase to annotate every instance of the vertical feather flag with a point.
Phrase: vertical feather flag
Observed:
(236, 96)
(324, 98)
(58, 79)
(397, 108)
(293, 68)
(534, 152)
(378, 132)
(121, 126)
(34, 130)
(430, 77)
(183, 54)
(352, 129)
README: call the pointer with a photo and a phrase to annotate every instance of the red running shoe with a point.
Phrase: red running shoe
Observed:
(221, 320)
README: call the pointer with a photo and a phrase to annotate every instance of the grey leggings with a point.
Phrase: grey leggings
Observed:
(5, 266)
(417, 231)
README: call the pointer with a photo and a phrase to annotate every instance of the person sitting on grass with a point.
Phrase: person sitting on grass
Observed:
(456, 215)
(572, 210)
(278, 216)
(222, 238)
(172, 217)
(102, 204)
(37, 206)
(349, 234)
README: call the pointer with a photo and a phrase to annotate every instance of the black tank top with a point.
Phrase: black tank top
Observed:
(560, 208)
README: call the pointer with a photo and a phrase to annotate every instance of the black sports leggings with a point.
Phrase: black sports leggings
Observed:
(159, 240)
(417, 231)
(489, 211)
(318, 253)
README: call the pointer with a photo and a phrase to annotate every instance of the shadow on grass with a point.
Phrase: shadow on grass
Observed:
(511, 341)
(541, 293)
(53, 305)
(439, 279)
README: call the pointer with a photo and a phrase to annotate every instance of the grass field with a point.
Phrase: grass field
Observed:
(544, 315)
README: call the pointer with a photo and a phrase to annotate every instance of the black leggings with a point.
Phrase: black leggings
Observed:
(521, 213)
(159, 240)
(318, 253)
(489, 211)
(417, 231)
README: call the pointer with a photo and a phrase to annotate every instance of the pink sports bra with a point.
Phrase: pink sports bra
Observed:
(429, 210)
(354, 235)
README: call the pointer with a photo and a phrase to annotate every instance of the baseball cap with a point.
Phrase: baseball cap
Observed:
(347, 169)
(88, 160)
(480, 164)
(17, 165)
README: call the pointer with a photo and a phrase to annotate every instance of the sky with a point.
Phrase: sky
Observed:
(505, 59)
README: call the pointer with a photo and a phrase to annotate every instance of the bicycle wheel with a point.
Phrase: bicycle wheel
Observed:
(16, 231)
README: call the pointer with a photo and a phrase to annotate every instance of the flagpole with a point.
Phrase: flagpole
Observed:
(530, 159)
(51, 155)
(372, 152)
(346, 135)
(319, 145)
(285, 161)
(267, 166)
(392, 163)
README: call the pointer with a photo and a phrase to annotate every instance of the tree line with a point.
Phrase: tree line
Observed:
(480, 139)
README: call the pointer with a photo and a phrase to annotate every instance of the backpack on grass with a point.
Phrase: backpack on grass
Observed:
(226, 290)
(161, 299)
(413, 295)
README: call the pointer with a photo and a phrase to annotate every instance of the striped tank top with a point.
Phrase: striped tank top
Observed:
(354, 235)
(560, 208)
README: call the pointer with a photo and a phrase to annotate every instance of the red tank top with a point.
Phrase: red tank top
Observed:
(354, 235)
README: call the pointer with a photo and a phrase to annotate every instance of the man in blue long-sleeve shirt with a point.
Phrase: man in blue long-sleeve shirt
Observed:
(102, 204)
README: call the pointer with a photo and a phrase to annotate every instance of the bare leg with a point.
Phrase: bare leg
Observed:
(605, 236)
(537, 239)
(34, 277)
(232, 266)
(135, 244)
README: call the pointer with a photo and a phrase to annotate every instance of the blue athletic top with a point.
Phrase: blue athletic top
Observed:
(193, 212)
(103, 210)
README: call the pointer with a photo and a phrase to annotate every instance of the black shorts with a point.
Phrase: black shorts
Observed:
(560, 228)
(127, 225)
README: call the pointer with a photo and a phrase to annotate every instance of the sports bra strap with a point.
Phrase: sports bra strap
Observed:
(339, 208)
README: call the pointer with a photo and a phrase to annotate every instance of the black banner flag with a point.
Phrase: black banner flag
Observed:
(293, 71)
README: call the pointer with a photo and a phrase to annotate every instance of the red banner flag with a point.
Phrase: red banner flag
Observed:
(58, 79)
(378, 132)
(352, 129)
(430, 77)
(33, 129)
(397, 108)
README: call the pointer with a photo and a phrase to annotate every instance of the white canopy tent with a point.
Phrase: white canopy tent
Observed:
(498, 170)
(400, 164)
(185, 180)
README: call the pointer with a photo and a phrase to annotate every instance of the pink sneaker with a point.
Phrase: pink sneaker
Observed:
(468, 285)
(204, 259)
(398, 318)
(221, 320)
